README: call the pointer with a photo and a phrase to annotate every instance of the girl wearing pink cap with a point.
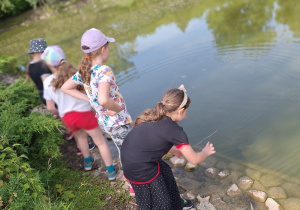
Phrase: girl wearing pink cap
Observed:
(100, 86)
(76, 114)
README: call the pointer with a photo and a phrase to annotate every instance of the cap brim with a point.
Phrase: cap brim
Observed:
(109, 39)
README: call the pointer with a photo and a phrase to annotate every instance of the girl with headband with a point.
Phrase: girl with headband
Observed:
(156, 133)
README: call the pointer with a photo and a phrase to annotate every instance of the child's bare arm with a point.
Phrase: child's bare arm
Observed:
(104, 99)
(175, 151)
(51, 107)
(70, 88)
(197, 157)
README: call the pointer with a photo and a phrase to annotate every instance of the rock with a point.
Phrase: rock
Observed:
(236, 167)
(276, 192)
(253, 174)
(190, 195)
(223, 174)
(233, 191)
(217, 202)
(245, 183)
(209, 162)
(271, 181)
(258, 186)
(222, 164)
(167, 156)
(190, 167)
(204, 204)
(292, 189)
(177, 162)
(290, 203)
(257, 195)
(233, 177)
(271, 204)
(211, 172)
(186, 183)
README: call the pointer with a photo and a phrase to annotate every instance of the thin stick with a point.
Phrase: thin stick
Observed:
(206, 138)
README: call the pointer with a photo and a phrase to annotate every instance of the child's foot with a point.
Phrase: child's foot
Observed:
(187, 204)
(78, 152)
(112, 175)
(69, 136)
(88, 165)
(132, 193)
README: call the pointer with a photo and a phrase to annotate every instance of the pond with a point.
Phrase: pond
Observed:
(238, 59)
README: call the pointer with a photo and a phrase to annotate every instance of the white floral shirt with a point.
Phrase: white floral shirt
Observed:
(103, 73)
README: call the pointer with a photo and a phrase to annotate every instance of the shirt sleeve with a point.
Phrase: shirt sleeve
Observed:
(45, 71)
(46, 94)
(106, 76)
(77, 78)
(179, 138)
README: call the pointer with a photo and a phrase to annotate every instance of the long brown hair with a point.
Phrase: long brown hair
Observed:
(171, 100)
(64, 71)
(86, 63)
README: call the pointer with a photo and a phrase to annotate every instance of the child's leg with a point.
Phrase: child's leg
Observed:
(82, 143)
(100, 141)
(171, 185)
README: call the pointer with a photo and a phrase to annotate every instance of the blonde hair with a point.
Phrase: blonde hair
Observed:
(64, 71)
(171, 101)
(86, 63)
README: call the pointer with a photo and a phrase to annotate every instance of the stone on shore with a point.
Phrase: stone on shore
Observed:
(233, 191)
(177, 162)
(167, 156)
(271, 204)
(257, 195)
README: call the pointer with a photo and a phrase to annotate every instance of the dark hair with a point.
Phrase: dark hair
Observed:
(171, 100)
(86, 63)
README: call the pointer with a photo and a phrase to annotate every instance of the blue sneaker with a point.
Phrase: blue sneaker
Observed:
(112, 175)
(88, 165)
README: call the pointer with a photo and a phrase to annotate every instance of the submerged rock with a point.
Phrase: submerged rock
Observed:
(190, 167)
(253, 174)
(276, 192)
(223, 174)
(292, 189)
(257, 195)
(233, 191)
(271, 181)
(211, 172)
(177, 162)
(272, 204)
(209, 162)
(290, 203)
(204, 204)
(245, 183)
(258, 186)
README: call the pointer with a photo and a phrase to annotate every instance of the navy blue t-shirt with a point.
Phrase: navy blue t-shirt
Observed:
(145, 145)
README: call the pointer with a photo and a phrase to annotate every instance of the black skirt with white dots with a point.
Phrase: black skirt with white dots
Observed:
(160, 194)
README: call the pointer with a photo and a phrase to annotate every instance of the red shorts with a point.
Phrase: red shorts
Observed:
(80, 120)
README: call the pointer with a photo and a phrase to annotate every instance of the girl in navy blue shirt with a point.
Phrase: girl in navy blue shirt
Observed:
(156, 133)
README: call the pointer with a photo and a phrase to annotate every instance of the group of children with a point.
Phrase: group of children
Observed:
(101, 106)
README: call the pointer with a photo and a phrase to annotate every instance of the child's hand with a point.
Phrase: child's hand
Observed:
(208, 150)
(109, 113)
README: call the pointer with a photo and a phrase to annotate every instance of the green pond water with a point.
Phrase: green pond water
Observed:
(239, 61)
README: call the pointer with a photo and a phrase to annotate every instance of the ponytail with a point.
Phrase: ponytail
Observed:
(171, 101)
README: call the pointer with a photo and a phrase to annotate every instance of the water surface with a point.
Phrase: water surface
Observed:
(239, 61)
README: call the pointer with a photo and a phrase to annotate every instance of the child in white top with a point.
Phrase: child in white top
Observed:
(77, 114)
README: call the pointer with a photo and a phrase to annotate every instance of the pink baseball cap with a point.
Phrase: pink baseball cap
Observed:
(94, 39)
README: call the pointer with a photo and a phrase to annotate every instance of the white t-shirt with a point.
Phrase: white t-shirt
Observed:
(65, 102)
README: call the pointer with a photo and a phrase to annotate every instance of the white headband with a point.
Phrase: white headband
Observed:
(185, 98)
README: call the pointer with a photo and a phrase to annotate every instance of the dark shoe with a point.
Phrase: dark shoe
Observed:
(91, 143)
(187, 204)
(78, 152)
